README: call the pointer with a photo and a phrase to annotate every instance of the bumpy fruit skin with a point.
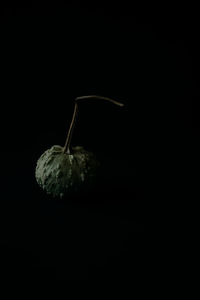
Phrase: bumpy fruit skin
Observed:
(59, 173)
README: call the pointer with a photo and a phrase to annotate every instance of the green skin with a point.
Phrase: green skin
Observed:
(59, 173)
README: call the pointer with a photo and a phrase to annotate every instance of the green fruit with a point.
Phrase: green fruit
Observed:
(59, 173)
(61, 170)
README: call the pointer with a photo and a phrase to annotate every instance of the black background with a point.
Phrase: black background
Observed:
(145, 56)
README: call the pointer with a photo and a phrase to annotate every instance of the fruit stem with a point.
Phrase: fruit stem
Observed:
(66, 148)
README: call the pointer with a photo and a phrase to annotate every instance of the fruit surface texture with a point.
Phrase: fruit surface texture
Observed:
(58, 172)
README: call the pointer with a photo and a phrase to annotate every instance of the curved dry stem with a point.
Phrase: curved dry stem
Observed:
(99, 98)
(66, 148)
(69, 135)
